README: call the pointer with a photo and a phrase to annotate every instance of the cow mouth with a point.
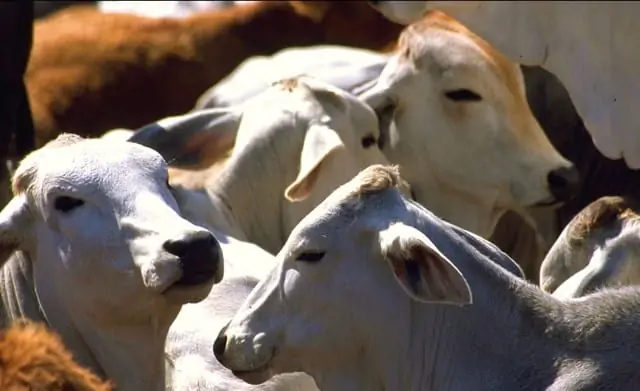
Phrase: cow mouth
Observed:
(197, 272)
(257, 375)
(194, 279)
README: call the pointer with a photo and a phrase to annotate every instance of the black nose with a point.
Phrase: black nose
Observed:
(199, 254)
(220, 343)
(564, 182)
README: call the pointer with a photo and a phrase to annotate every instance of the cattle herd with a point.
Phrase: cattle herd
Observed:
(317, 195)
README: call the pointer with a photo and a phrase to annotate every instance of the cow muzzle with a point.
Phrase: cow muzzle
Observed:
(247, 356)
(201, 265)
(564, 183)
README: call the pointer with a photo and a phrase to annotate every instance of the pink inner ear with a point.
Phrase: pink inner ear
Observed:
(441, 284)
(435, 262)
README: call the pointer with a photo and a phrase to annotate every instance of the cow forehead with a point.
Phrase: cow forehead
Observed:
(454, 46)
(96, 163)
(369, 200)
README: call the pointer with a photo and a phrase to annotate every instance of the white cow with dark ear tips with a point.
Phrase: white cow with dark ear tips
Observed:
(93, 244)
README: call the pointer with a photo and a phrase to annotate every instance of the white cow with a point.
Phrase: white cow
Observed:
(590, 46)
(599, 247)
(374, 292)
(297, 141)
(101, 254)
(344, 67)
(454, 116)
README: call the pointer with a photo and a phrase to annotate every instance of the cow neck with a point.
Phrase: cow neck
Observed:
(482, 346)
(252, 186)
(17, 292)
(132, 357)
(477, 214)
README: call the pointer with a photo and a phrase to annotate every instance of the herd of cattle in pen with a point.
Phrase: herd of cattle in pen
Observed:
(326, 195)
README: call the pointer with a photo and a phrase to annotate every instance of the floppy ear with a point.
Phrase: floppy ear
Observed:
(319, 142)
(15, 220)
(195, 140)
(379, 99)
(424, 273)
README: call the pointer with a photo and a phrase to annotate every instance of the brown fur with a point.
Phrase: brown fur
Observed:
(33, 358)
(90, 72)
(439, 20)
(197, 179)
(600, 213)
(376, 178)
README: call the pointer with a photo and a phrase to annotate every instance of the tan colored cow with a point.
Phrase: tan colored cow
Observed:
(454, 116)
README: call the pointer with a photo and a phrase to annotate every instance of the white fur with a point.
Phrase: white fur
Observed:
(447, 319)
(97, 274)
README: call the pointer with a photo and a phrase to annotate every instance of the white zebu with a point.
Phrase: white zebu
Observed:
(374, 292)
(454, 116)
(101, 254)
(577, 41)
(345, 67)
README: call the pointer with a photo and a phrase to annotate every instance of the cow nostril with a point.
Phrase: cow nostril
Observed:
(192, 244)
(219, 346)
(200, 257)
(564, 182)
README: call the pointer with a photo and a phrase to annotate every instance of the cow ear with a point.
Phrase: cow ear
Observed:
(15, 221)
(380, 100)
(195, 140)
(319, 142)
(422, 271)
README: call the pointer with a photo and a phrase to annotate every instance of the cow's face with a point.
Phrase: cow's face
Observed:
(103, 231)
(454, 112)
(349, 266)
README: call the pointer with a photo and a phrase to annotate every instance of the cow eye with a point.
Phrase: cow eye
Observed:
(368, 141)
(66, 204)
(310, 256)
(463, 95)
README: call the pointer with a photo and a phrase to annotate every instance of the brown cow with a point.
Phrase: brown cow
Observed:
(33, 357)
